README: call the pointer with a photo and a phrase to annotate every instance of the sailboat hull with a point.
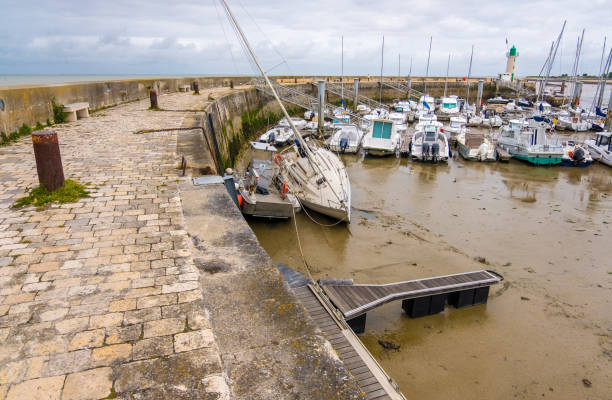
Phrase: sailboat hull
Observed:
(335, 213)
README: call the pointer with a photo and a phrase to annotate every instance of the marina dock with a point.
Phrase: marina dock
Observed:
(419, 297)
(370, 376)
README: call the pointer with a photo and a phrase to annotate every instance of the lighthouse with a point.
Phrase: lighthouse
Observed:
(511, 65)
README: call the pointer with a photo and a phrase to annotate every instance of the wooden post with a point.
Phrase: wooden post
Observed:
(48, 159)
(153, 98)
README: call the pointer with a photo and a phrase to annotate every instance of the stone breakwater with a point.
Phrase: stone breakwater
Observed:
(102, 299)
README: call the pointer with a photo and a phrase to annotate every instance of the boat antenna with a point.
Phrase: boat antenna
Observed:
(427, 70)
(382, 62)
(467, 96)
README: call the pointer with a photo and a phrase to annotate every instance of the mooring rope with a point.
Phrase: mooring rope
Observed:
(297, 234)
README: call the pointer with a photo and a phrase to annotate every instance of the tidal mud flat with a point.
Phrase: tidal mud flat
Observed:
(545, 332)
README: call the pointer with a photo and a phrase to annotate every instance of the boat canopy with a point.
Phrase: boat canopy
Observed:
(382, 130)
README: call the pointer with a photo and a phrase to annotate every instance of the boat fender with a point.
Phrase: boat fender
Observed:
(284, 190)
(240, 200)
(278, 159)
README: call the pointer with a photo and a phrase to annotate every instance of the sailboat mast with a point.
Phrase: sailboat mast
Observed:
(552, 58)
(427, 70)
(446, 80)
(280, 103)
(297, 134)
(342, 73)
(382, 61)
(399, 66)
(467, 96)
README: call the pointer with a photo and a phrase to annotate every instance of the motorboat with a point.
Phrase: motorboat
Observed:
(601, 147)
(474, 146)
(530, 143)
(571, 123)
(491, 119)
(498, 100)
(426, 102)
(456, 126)
(346, 139)
(575, 155)
(362, 109)
(429, 143)
(543, 108)
(298, 122)
(279, 135)
(449, 106)
(381, 139)
(399, 119)
(260, 192)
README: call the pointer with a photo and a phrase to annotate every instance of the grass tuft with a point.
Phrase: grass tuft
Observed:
(40, 196)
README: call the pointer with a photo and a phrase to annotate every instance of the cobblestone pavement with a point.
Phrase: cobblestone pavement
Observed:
(100, 298)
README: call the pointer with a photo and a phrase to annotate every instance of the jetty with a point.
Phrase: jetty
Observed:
(419, 297)
(369, 375)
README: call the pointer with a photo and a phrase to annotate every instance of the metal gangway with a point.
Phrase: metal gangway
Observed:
(419, 297)
(336, 89)
(298, 98)
(403, 87)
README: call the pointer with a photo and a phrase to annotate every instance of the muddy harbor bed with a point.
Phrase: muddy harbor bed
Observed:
(546, 230)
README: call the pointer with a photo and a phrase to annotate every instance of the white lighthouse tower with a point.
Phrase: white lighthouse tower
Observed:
(510, 65)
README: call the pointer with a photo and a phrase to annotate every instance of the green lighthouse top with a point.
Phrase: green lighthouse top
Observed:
(512, 52)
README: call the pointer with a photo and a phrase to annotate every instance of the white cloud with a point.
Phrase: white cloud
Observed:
(185, 36)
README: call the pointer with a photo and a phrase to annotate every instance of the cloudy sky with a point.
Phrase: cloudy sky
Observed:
(193, 37)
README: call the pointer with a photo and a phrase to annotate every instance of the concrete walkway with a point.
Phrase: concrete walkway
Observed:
(102, 297)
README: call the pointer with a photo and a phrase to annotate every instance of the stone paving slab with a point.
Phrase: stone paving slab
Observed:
(101, 297)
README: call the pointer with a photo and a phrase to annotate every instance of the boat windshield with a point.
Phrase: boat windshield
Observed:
(382, 130)
(603, 140)
(430, 133)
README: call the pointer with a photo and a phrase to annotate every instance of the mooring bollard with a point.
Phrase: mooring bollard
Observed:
(231, 84)
(196, 87)
(153, 98)
(48, 159)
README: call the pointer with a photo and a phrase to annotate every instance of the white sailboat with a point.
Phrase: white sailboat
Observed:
(316, 176)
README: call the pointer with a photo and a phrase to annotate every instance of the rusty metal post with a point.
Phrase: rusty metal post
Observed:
(196, 87)
(153, 98)
(48, 159)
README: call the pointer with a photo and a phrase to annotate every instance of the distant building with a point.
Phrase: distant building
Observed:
(509, 75)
